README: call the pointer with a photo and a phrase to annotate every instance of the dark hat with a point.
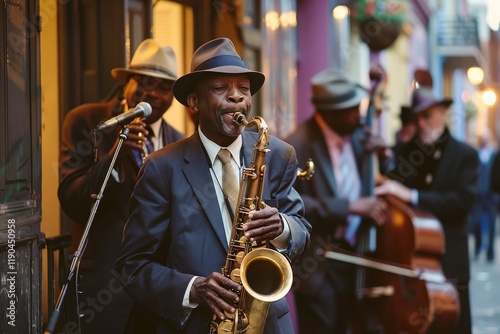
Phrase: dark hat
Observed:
(423, 98)
(333, 90)
(152, 60)
(215, 56)
(406, 114)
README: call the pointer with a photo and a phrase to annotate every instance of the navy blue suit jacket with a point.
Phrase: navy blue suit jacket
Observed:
(175, 231)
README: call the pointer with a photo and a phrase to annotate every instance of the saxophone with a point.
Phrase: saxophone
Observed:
(264, 274)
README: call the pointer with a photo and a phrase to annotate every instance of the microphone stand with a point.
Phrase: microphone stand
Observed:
(83, 241)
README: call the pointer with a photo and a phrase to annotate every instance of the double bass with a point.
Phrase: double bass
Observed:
(400, 285)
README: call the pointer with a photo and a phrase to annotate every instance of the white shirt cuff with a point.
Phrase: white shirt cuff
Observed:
(186, 304)
(414, 197)
(282, 240)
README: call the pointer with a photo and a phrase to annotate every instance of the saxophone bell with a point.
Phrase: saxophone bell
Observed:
(308, 172)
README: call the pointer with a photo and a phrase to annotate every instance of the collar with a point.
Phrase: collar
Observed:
(330, 135)
(156, 126)
(212, 148)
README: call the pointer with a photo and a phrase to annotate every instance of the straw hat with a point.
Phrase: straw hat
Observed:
(152, 60)
(215, 56)
(423, 98)
(333, 90)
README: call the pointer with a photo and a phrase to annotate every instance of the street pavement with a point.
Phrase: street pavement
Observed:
(485, 292)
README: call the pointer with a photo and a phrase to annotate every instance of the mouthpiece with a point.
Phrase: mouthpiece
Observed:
(239, 118)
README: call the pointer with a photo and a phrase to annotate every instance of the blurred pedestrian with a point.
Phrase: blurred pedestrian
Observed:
(483, 216)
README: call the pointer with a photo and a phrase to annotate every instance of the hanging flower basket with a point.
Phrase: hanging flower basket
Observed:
(379, 21)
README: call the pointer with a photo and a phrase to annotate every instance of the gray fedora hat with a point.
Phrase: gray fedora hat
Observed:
(215, 56)
(152, 60)
(332, 89)
(423, 98)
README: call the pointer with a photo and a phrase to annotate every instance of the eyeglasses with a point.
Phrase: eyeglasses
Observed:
(148, 83)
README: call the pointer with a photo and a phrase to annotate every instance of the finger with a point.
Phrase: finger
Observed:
(132, 145)
(380, 190)
(138, 138)
(218, 306)
(267, 232)
(266, 212)
(226, 283)
(379, 217)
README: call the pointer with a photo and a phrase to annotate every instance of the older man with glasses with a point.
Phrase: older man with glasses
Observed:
(149, 78)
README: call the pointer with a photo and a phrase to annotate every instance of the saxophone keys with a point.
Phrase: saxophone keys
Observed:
(235, 275)
(240, 256)
(225, 326)
(228, 315)
(241, 322)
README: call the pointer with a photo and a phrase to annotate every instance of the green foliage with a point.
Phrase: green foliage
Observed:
(390, 11)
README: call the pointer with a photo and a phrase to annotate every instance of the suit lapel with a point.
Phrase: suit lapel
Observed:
(197, 173)
(321, 156)
(444, 163)
(165, 133)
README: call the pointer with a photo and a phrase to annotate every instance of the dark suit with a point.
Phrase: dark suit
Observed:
(175, 231)
(445, 175)
(79, 178)
(324, 288)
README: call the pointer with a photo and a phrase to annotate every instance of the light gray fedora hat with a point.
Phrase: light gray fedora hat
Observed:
(332, 89)
(150, 59)
(215, 56)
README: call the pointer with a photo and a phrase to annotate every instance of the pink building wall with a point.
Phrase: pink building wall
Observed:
(313, 49)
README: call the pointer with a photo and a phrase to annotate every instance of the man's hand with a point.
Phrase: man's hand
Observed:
(137, 134)
(391, 187)
(263, 224)
(377, 144)
(369, 207)
(216, 292)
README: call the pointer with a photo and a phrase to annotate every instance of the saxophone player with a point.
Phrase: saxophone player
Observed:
(176, 239)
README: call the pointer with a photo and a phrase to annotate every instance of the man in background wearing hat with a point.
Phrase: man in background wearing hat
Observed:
(176, 239)
(408, 127)
(149, 78)
(334, 139)
(438, 174)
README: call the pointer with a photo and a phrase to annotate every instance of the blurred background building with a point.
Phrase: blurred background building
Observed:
(58, 54)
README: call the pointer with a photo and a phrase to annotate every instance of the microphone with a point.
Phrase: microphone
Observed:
(142, 109)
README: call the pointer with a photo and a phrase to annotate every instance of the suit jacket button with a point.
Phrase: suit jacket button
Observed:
(428, 178)
(437, 154)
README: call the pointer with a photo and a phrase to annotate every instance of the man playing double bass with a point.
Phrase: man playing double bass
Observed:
(436, 173)
(333, 199)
